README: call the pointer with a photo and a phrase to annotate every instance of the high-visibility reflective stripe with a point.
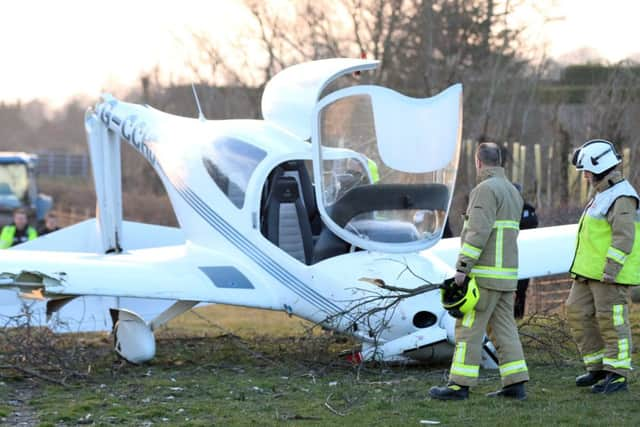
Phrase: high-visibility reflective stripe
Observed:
(506, 224)
(623, 360)
(495, 272)
(500, 225)
(618, 363)
(458, 366)
(468, 319)
(471, 371)
(623, 348)
(499, 244)
(618, 315)
(616, 255)
(461, 349)
(512, 368)
(592, 358)
(471, 251)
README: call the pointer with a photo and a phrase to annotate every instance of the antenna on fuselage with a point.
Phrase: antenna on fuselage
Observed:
(201, 116)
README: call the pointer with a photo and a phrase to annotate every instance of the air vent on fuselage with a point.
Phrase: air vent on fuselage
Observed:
(424, 319)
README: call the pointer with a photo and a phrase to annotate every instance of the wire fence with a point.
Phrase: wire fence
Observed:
(538, 169)
(63, 164)
(69, 216)
(548, 294)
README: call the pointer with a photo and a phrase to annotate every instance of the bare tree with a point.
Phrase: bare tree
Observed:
(613, 105)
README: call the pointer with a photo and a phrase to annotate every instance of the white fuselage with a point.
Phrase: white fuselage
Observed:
(219, 233)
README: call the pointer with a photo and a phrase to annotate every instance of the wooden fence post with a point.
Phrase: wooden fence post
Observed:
(537, 154)
(471, 167)
(515, 155)
(549, 171)
(523, 165)
(626, 161)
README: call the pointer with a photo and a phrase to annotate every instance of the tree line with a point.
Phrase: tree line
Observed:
(510, 92)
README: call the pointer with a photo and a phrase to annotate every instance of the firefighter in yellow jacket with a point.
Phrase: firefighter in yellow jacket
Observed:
(489, 254)
(606, 263)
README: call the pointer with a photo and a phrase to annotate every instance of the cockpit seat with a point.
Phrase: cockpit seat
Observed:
(287, 222)
(298, 170)
(329, 245)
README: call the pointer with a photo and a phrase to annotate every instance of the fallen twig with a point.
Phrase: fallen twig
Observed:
(33, 373)
(298, 417)
(330, 408)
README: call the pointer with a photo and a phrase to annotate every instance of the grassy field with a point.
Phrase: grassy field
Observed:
(227, 366)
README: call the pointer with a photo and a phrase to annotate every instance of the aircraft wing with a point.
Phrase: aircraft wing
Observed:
(79, 314)
(170, 272)
(158, 269)
(542, 251)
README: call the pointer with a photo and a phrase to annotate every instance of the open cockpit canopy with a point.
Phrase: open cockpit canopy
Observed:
(385, 165)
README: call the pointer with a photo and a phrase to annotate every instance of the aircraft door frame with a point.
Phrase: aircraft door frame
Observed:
(445, 107)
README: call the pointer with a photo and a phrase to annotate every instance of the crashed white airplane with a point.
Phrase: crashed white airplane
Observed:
(258, 229)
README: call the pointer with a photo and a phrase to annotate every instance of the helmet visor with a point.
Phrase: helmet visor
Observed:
(574, 159)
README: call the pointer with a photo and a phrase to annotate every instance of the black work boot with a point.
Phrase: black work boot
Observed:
(611, 384)
(513, 391)
(590, 378)
(450, 392)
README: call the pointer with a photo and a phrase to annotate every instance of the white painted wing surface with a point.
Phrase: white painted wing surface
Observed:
(144, 279)
(86, 313)
(171, 273)
(541, 251)
(82, 314)
(84, 237)
(546, 251)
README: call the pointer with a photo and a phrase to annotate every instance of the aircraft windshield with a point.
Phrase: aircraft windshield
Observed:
(388, 167)
(230, 163)
(14, 184)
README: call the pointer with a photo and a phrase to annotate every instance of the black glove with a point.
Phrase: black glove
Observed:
(451, 293)
(456, 313)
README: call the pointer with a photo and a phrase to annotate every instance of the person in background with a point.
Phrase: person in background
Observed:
(528, 220)
(50, 224)
(606, 264)
(17, 232)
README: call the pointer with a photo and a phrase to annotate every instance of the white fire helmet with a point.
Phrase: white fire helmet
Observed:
(595, 156)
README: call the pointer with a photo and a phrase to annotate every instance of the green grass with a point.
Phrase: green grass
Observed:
(289, 377)
(212, 381)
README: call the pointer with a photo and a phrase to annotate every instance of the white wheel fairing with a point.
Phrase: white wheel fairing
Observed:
(133, 338)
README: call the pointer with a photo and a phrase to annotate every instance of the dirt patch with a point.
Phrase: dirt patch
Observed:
(18, 399)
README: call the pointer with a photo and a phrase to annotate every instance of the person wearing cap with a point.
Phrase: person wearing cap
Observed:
(605, 264)
(489, 257)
